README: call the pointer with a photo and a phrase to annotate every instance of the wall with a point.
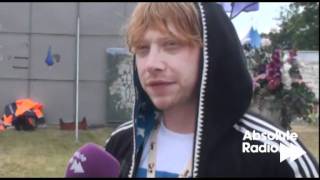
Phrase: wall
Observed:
(27, 30)
(310, 69)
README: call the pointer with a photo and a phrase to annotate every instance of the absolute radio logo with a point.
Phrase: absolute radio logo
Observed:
(287, 146)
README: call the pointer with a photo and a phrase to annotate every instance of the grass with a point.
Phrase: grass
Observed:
(309, 135)
(45, 152)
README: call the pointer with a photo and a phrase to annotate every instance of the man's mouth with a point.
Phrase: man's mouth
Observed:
(159, 85)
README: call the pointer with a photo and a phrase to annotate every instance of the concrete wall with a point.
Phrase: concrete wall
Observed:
(27, 30)
(310, 69)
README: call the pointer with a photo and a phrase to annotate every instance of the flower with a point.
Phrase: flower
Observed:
(265, 42)
(277, 77)
(273, 73)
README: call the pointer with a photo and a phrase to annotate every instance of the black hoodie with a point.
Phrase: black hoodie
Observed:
(225, 90)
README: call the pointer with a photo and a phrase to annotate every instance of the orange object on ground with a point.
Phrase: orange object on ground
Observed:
(23, 113)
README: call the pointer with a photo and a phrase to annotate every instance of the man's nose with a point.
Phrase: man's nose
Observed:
(155, 61)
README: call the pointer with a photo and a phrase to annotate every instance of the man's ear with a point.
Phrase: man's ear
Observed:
(135, 72)
(135, 69)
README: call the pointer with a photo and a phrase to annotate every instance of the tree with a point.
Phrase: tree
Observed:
(299, 27)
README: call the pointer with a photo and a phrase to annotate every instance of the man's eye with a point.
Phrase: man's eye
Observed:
(171, 44)
(141, 50)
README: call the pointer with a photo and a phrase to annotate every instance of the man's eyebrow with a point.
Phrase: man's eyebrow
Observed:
(158, 40)
(166, 38)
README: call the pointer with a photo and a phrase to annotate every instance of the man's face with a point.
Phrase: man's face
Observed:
(168, 69)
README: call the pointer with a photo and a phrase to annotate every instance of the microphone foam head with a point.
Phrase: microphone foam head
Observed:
(91, 160)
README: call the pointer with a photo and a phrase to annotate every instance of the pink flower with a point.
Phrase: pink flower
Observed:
(256, 80)
(274, 84)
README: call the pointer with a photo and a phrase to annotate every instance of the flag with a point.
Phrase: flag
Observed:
(235, 8)
(49, 59)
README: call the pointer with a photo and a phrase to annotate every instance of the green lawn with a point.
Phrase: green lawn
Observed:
(309, 135)
(45, 152)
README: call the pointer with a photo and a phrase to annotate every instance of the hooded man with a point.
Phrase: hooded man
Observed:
(192, 91)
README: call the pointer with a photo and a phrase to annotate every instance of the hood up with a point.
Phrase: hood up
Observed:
(225, 89)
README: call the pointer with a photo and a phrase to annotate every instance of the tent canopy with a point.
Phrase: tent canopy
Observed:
(253, 38)
(235, 8)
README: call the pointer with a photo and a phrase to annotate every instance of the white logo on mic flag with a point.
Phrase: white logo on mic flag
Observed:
(76, 167)
(75, 162)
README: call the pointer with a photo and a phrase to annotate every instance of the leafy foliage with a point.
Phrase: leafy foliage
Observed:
(299, 27)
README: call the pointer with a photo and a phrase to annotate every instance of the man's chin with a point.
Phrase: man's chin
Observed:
(162, 104)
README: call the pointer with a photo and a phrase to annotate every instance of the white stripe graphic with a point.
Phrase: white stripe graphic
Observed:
(126, 123)
(117, 131)
(107, 141)
(121, 129)
(130, 175)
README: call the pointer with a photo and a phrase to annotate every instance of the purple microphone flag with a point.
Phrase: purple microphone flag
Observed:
(92, 160)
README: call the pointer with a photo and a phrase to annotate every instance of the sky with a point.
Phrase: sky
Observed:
(263, 20)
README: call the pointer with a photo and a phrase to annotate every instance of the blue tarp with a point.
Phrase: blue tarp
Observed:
(235, 8)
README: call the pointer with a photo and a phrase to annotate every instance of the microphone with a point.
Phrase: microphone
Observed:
(91, 160)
